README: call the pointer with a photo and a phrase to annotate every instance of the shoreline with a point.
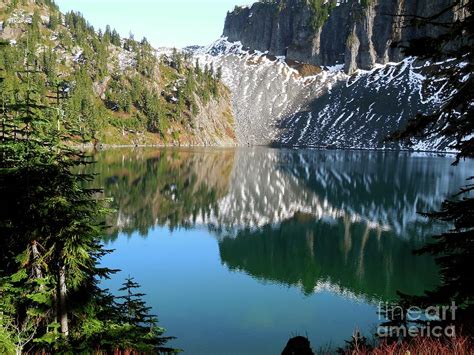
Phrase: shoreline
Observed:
(103, 147)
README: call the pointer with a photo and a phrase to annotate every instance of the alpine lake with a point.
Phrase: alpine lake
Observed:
(237, 250)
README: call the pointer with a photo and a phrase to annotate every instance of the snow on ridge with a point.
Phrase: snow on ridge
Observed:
(334, 68)
(223, 47)
(274, 104)
(166, 51)
(263, 86)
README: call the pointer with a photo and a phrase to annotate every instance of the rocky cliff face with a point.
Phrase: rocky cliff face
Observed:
(356, 33)
(300, 79)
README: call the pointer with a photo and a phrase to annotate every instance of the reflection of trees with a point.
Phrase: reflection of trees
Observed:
(307, 253)
(151, 187)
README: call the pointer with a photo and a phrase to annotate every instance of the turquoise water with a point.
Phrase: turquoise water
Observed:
(240, 249)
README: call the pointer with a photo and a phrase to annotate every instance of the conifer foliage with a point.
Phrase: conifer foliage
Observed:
(118, 89)
(453, 249)
(51, 225)
(140, 325)
(454, 119)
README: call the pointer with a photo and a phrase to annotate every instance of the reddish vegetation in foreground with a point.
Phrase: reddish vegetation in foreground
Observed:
(418, 346)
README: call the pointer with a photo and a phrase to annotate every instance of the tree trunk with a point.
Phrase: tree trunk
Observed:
(36, 257)
(62, 307)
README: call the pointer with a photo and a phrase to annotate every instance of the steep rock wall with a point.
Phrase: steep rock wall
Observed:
(354, 34)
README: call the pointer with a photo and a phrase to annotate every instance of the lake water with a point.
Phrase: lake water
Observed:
(240, 249)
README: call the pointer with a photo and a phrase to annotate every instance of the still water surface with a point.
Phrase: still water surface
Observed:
(240, 249)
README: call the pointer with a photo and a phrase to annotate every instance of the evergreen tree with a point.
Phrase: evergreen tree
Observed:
(140, 326)
(35, 22)
(177, 60)
(197, 69)
(54, 20)
(133, 307)
(152, 111)
(51, 225)
(50, 66)
(107, 34)
(211, 70)
(115, 38)
(82, 108)
(453, 249)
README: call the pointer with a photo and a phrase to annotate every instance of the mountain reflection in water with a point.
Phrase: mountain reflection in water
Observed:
(310, 219)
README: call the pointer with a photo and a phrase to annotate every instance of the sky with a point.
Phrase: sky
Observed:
(165, 23)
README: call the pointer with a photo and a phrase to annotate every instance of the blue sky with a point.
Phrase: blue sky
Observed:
(171, 23)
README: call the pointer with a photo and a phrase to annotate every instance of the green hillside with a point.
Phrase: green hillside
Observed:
(119, 90)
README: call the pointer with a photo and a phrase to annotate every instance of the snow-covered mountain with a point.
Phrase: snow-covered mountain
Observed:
(285, 103)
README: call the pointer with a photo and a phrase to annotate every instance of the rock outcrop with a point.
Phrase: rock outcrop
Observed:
(356, 33)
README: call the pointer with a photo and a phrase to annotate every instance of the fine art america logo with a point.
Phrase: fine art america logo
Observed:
(414, 321)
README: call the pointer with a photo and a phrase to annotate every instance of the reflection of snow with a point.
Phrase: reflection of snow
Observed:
(122, 220)
(328, 286)
(335, 68)
(267, 187)
(270, 186)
